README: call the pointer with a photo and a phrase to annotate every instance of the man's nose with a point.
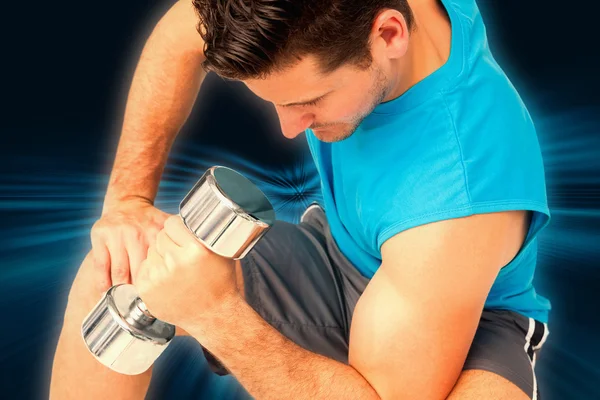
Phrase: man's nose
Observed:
(293, 122)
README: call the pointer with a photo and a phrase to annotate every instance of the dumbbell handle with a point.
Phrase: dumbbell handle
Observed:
(140, 313)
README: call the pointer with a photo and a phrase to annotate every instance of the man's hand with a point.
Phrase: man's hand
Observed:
(120, 240)
(183, 282)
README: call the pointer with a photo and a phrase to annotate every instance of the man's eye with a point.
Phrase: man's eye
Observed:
(312, 103)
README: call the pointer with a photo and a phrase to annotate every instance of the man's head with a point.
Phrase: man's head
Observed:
(324, 64)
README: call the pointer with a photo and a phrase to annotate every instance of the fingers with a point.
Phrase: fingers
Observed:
(148, 265)
(178, 232)
(165, 244)
(161, 217)
(168, 249)
(144, 275)
(120, 242)
(150, 268)
(153, 258)
(101, 264)
(119, 268)
(136, 250)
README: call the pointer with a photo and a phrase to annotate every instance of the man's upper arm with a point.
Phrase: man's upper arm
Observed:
(414, 324)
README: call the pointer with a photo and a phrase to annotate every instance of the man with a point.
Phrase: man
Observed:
(413, 281)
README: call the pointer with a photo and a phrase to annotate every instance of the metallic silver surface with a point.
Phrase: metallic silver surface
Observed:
(228, 214)
(122, 337)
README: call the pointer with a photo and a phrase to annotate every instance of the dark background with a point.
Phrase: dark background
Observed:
(66, 68)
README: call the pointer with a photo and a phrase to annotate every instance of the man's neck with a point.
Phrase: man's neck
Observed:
(428, 48)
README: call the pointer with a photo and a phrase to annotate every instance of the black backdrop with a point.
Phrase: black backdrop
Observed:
(66, 68)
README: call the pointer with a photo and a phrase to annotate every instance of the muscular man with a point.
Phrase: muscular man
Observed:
(413, 281)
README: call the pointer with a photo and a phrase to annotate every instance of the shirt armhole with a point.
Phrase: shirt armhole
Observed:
(540, 218)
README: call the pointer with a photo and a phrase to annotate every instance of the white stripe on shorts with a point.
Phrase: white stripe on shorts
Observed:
(541, 343)
(526, 348)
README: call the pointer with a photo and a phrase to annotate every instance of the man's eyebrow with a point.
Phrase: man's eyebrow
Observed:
(303, 102)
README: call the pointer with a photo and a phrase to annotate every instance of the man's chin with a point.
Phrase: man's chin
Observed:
(331, 135)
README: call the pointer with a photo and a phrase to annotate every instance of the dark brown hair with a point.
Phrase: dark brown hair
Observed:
(249, 39)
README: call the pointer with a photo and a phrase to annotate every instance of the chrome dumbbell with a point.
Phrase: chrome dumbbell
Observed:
(228, 214)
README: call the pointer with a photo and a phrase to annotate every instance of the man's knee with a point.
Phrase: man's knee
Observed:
(477, 384)
(85, 292)
(75, 372)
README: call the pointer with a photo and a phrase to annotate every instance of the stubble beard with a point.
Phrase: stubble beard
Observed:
(377, 93)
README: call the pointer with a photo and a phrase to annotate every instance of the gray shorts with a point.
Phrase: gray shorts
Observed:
(297, 279)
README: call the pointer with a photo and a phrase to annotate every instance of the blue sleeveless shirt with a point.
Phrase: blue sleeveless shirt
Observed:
(458, 143)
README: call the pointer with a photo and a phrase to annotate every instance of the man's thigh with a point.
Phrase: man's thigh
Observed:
(506, 345)
(476, 384)
(291, 279)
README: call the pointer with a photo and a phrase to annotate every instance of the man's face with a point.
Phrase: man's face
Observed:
(331, 105)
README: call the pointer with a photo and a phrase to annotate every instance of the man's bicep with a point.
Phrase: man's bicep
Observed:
(394, 339)
(413, 325)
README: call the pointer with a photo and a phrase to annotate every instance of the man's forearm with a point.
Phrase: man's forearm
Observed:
(164, 88)
(270, 366)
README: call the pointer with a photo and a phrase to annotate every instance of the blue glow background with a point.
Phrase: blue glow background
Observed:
(65, 74)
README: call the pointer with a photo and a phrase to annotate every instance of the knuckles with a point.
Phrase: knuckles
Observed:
(170, 260)
(197, 251)
(172, 222)
(120, 273)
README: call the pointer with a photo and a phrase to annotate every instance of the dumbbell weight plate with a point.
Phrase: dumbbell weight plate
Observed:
(120, 336)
